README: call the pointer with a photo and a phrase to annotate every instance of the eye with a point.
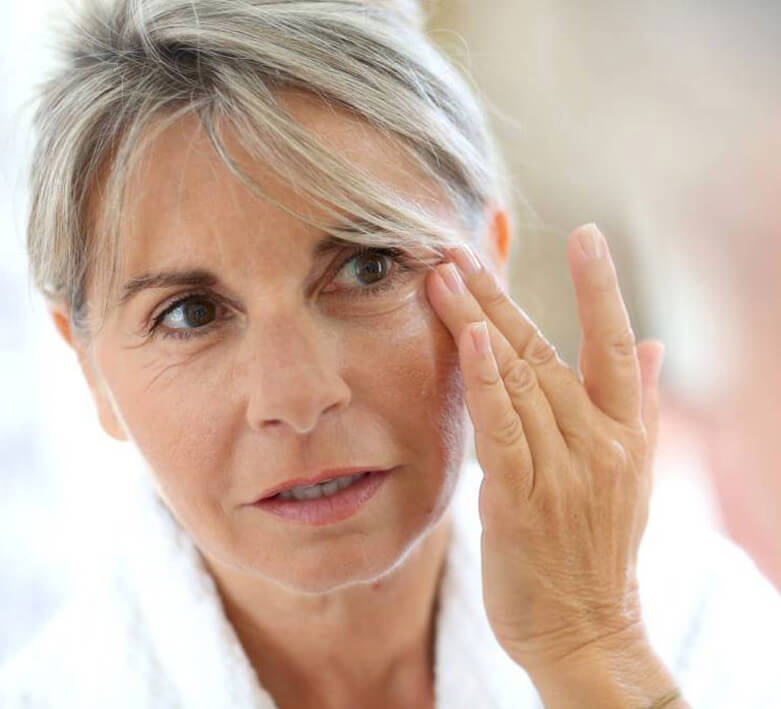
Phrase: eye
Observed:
(366, 264)
(181, 318)
(197, 314)
(378, 269)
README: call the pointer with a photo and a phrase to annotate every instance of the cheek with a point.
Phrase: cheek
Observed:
(403, 372)
(409, 373)
(177, 420)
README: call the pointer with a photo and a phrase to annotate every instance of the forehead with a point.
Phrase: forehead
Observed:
(180, 196)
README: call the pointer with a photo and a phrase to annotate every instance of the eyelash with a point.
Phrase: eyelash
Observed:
(402, 264)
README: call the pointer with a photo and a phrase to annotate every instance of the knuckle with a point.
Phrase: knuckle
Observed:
(623, 344)
(492, 293)
(487, 379)
(539, 350)
(639, 445)
(636, 434)
(579, 439)
(603, 281)
(617, 460)
(509, 432)
(520, 377)
(613, 459)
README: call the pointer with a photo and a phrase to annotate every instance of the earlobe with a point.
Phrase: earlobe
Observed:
(105, 409)
(108, 418)
(107, 414)
(59, 315)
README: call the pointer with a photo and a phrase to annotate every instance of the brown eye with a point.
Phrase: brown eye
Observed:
(189, 314)
(371, 271)
(370, 267)
(199, 313)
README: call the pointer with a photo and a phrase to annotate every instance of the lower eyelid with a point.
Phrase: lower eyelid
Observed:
(185, 333)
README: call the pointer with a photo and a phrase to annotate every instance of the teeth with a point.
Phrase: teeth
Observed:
(324, 489)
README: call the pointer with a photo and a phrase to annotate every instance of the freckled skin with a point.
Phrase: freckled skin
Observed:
(292, 384)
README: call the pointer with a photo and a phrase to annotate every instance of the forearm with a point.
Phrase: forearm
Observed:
(618, 675)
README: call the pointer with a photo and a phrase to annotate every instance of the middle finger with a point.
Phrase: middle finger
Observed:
(568, 398)
(458, 309)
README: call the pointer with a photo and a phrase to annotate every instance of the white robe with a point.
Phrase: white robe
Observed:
(149, 630)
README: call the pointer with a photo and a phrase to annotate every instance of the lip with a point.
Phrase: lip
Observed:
(327, 510)
(328, 474)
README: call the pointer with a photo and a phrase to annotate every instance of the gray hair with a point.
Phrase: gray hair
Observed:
(129, 65)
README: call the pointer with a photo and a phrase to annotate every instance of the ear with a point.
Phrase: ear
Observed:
(499, 235)
(107, 416)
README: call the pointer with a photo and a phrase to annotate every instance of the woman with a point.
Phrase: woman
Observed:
(211, 181)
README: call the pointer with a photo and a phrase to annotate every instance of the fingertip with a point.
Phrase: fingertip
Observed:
(657, 360)
(481, 341)
(586, 248)
(660, 360)
(587, 242)
(650, 356)
(436, 288)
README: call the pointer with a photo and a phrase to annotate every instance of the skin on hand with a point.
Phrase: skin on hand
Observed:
(566, 458)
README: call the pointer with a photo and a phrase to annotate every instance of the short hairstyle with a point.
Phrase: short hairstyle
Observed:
(128, 64)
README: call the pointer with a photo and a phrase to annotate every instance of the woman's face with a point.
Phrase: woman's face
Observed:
(282, 367)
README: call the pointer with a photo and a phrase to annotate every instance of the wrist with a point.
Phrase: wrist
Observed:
(617, 670)
(581, 641)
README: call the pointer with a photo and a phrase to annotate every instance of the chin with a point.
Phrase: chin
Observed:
(336, 564)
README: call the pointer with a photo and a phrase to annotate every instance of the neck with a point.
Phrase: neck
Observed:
(348, 647)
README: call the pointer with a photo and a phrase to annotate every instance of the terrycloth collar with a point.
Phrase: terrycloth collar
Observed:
(196, 647)
(146, 627)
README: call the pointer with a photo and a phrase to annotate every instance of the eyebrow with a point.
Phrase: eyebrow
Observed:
(203, 278)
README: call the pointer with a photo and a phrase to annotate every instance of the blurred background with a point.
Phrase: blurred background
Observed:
(661, 122)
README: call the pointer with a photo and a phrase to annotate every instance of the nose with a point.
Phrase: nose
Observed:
(293, 375)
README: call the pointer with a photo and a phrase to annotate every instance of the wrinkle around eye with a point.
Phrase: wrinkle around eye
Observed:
(403, 268)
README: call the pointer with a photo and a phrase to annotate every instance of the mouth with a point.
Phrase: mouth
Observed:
(326, 503)
(327, 483)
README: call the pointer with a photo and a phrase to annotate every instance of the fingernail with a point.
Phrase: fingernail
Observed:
(467, 260)
(480, 337)
(591, 241)
(452, 279)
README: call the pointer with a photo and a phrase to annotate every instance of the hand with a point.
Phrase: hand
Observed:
(566, 459)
